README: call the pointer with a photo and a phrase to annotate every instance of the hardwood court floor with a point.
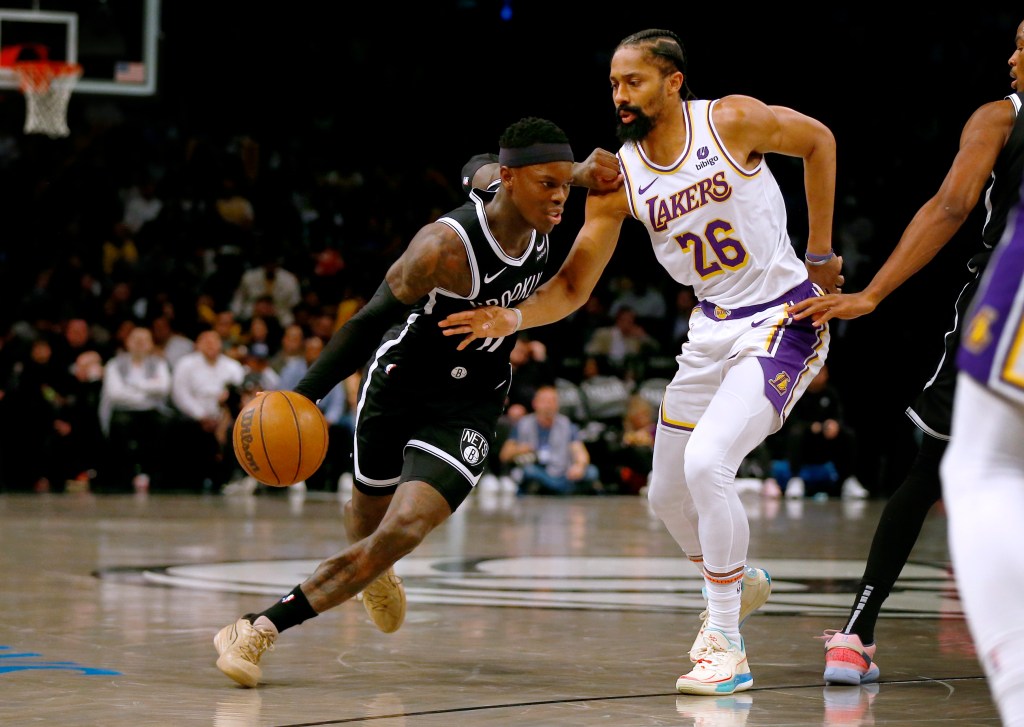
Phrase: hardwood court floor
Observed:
(523, 611)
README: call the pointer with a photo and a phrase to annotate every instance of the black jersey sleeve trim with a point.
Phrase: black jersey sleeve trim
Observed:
(352, 345)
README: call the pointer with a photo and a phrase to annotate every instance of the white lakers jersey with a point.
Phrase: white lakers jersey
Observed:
(714, 225)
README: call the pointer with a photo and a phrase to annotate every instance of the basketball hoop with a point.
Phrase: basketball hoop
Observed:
(47, 86)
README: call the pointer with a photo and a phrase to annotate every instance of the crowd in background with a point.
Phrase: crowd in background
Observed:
(130, 240)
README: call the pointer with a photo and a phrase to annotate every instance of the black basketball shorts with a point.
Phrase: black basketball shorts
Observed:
(932, 411)
(428, 436)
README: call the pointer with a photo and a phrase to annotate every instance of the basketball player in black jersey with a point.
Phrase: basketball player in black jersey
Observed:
(427, 411)
(991, 148)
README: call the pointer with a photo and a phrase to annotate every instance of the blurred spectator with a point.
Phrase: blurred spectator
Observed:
(268, 278)
(34, 396)
(686, 301)
(605, 395)
(567, 339)
(820, 447)
(79, 445)
(321, 323)
(646, 302)
(530, 370)
(632, 449)
(201, 384)
(259, 376)
(168, 342)
(135, 414)
(120, 253)
(623, 345)
(230, 332)
(548, 455)
(77, 336)
(259, 333)
(141, 205)
(295, 368)
(264, 311)
(121, 304)
(339, 408)
(292, 348)
(350, 304)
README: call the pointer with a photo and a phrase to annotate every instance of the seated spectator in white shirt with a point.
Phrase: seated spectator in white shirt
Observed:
(201, 384)
(134, 412)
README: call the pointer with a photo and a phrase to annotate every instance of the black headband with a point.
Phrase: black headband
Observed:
(524, 156)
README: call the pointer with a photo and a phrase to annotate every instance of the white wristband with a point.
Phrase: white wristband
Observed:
(519, 319)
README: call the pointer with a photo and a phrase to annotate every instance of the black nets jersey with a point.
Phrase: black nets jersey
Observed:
(418, 354)
(932, 411)
(1004, 190)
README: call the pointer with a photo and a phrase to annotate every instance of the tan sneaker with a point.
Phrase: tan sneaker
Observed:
(757, 586)
(240, 646)
(384, 600)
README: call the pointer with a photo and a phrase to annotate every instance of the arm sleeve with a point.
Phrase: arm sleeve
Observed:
(351, 345)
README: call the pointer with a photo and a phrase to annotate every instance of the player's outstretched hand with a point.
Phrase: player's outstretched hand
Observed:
(837, 305)
(486, 322)
(600, 171)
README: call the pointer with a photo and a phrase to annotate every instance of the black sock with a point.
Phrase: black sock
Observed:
(895, 536)
(290, 611)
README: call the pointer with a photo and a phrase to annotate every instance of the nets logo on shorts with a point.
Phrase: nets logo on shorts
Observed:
(473, 447)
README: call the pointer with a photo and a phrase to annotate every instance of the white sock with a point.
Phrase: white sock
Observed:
(724, 606)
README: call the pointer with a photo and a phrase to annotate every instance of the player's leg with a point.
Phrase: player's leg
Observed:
(685, 399)
(363, 512)
(849, 652)
(415, 510)
(738, 418)
(983, 490)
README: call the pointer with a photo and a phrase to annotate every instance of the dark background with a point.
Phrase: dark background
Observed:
(430, 84)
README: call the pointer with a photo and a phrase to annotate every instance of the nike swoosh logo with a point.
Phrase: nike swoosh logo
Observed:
(644, 189)
(489, 278)
(757, 324)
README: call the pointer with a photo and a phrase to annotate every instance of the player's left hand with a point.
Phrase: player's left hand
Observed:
(486, 322)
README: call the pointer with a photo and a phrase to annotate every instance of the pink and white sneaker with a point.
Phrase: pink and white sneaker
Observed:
(847, 660)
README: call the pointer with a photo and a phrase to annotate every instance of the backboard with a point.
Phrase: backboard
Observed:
(115, 41)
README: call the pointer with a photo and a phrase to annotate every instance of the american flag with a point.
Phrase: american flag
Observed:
(128, 72)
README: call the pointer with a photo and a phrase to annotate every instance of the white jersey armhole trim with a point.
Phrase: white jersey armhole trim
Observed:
(725, 152)
(474, 268)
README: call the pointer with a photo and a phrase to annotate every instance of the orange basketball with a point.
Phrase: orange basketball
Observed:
(280, 438)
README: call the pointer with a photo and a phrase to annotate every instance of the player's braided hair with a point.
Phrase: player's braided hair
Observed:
(666, 51)
(532, 130)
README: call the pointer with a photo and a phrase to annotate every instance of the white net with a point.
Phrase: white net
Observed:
(47, 88)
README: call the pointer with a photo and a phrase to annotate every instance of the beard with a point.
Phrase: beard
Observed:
(637, 129)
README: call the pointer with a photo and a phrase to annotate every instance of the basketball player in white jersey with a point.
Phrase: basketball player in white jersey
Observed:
(696, 177)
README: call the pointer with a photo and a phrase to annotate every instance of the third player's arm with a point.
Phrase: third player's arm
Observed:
(935, 223)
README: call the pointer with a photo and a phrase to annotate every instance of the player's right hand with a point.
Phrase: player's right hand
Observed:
(600, 171)
(836, 305)
(486, 322)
